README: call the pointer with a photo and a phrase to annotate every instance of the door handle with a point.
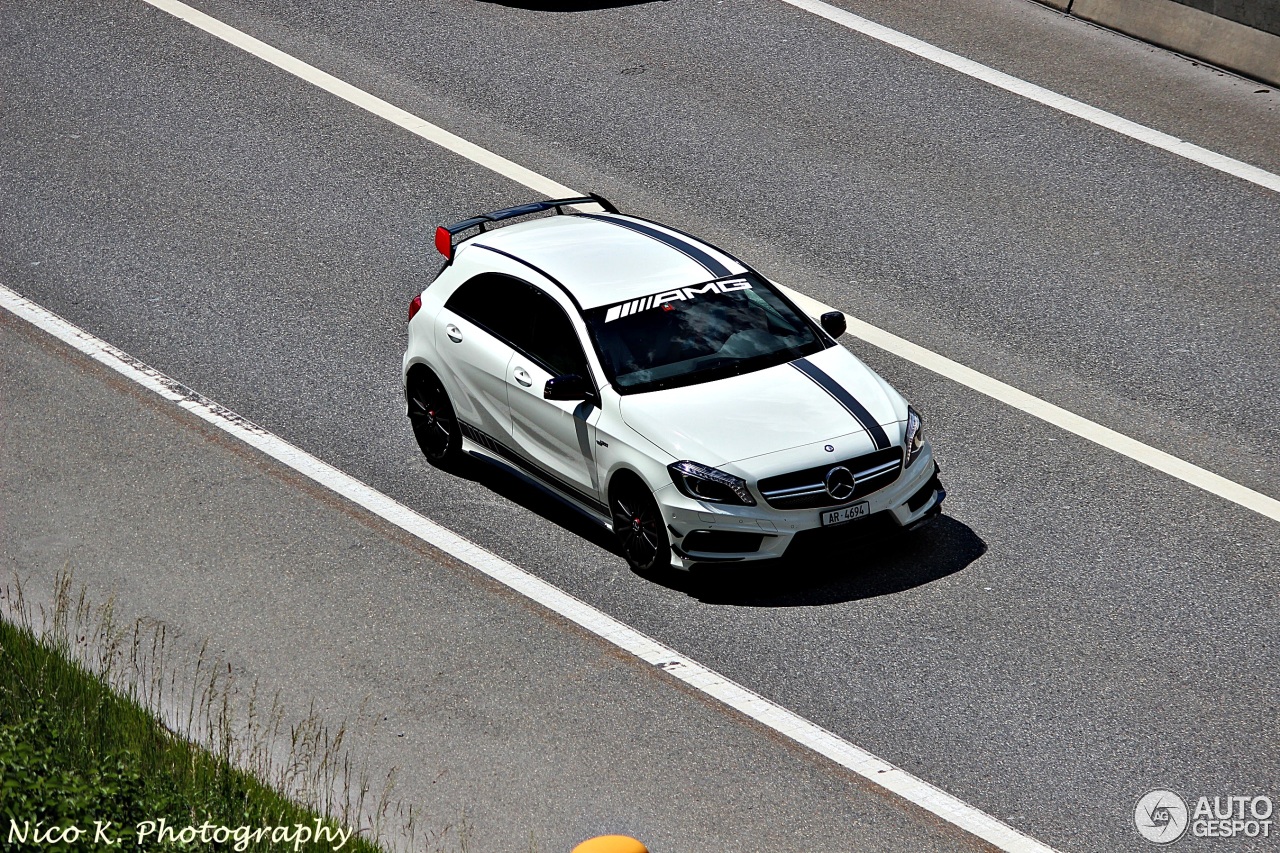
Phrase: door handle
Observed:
(523, 377)
(454, 333)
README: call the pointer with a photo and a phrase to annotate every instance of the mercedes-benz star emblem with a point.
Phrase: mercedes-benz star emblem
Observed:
(840, 483)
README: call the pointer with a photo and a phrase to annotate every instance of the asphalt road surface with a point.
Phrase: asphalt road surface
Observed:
(1077, 630)
(499, 721)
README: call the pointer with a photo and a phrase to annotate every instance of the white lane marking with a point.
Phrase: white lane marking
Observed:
(363, 100)
(776, 717)
(994, 388)
(1164, 462)
(1041, 95)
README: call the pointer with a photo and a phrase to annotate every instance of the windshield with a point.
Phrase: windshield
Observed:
(698, 334)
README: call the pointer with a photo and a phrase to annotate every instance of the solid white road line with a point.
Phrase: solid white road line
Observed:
(1039, 94)
(363, 100)
(1071, 422)
(776, 717)
(994, 388)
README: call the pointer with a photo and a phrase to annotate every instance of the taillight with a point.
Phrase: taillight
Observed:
(415, 305)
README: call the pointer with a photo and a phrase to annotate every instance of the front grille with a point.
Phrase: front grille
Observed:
(806, 490)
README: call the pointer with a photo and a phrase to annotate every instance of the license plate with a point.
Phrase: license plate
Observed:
(845, 514)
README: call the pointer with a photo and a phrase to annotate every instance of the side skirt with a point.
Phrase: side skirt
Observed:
(481, 446)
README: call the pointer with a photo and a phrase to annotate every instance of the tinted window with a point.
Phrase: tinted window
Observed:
(498, 304)
(698, 334)
(523, 316)
(551, 338)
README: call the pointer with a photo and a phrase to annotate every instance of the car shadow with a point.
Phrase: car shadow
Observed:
(878, 565)
(535, 6)
(868, 567)
(512, 485)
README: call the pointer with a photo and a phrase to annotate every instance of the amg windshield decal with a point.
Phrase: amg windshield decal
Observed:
(634, 306)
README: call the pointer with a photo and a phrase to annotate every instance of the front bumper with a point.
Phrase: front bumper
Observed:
(716, 533)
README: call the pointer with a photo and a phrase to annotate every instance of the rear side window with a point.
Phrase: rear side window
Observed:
(499, 304)
(523, 316)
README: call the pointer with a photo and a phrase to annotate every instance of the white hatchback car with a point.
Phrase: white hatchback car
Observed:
(660, 386)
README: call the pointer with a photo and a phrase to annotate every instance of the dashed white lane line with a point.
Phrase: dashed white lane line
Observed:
(1039, 94)
(994, 388)
(786, 723)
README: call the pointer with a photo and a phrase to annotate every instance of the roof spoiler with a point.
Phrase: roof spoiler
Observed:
(446, 233)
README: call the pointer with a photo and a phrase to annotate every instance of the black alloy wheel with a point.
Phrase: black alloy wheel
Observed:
(637, 523)
(434, 424)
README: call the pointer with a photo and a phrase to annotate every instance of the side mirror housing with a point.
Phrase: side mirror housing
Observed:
(833, 323)
(570, 386)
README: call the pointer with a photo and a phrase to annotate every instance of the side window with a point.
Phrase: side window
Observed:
(499, 304)
(523, 316)
(552, 339)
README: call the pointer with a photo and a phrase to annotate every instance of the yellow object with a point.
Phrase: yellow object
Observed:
(611, 844)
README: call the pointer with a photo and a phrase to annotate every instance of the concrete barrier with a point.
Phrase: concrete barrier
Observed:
(1227, 43)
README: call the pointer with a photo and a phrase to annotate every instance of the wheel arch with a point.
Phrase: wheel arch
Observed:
(624, 474)
(418, 366)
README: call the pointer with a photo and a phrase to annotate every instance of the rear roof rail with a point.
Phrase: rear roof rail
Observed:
(445, 234)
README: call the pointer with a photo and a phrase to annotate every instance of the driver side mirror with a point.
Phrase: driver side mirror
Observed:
(833, 323)
(570, 386)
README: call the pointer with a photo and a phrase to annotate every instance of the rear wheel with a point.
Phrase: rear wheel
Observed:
(434, 424)
(637, 524)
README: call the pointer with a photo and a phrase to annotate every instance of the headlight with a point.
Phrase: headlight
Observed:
(704, 483)
(913, 441)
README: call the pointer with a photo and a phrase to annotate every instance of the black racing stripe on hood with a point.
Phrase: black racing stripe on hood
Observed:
(844, 398)
(685, 247)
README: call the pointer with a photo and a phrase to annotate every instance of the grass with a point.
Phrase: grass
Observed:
(75, 754)
(82, 743)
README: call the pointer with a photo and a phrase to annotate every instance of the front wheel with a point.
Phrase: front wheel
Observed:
(637, 524)
(434, 424)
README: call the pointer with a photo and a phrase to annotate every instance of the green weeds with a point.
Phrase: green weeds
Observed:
(99, 726)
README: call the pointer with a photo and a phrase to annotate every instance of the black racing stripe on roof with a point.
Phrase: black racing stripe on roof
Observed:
(548, 276)
(685, 247)
(844, 398)
(689, 236)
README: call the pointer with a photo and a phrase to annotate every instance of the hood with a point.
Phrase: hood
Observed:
(765, 411)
